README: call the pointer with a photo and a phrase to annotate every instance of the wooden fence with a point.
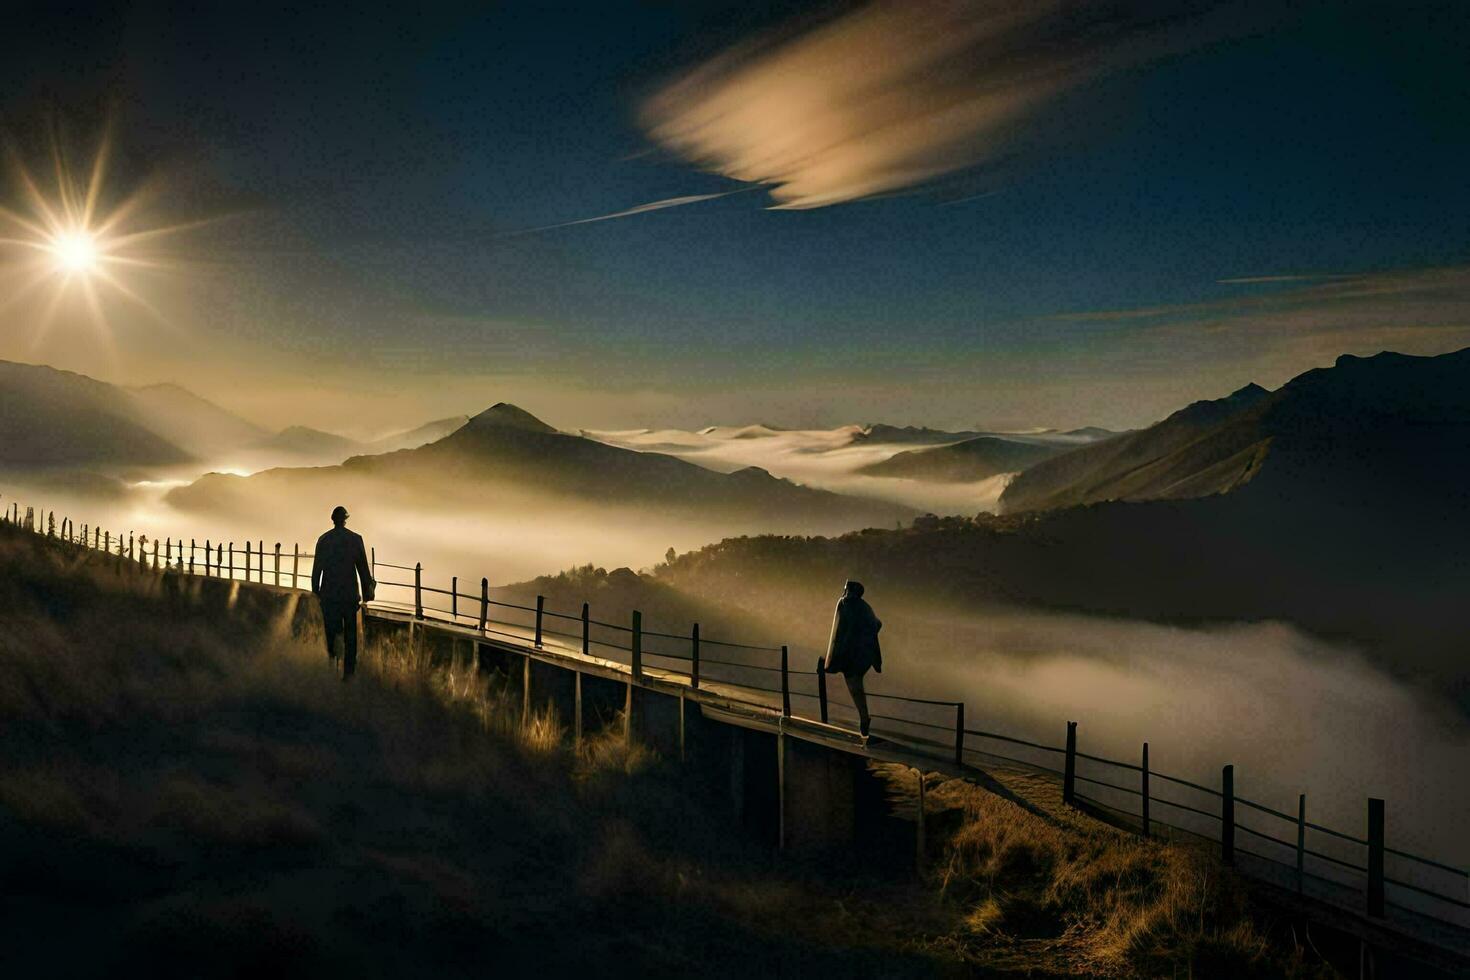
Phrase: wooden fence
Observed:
(1362, 873)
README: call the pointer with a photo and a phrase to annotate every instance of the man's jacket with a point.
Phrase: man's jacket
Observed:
(853, 648)
(339, 562)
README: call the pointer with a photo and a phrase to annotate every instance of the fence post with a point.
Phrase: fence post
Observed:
(1147, 825)
(296, 565)
(418, 590)
(484, 603)
(785, 684)
(919, 844)
(540, 614)
(192, 546)
(1069, 774)
(637, 644)
(131, 553)
(694, 658)
(1375, 857)
(168, 552)
(822, 688)
(1227, 816)
(276, 574)
(577, 704)
(247, 560)
(155, 554)
(260, 553)
(586, 631)
(959, 734)
(209, 557)
(454, 597)
(1301, 839)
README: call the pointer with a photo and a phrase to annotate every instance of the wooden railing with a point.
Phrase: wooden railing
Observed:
(1362, 873)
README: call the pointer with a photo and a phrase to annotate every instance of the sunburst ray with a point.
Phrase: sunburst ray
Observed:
(81, 237)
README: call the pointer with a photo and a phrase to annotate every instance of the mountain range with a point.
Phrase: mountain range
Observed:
(301, 445)
(1339, 502)
(52, 419)
(1374, 432)
(505, 450)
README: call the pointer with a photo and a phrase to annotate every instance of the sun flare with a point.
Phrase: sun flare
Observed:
(76, 251)
(80, 241)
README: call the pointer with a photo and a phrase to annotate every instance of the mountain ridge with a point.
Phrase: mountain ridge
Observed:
(963, 462)
(507, 448)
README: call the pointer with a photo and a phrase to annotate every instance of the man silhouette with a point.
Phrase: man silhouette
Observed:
(853, 649)
(339, 562)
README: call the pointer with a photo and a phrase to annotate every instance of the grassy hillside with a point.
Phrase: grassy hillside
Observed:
(184, 778)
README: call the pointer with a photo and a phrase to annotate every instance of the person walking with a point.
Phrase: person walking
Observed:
(339, 562)
(853, 647)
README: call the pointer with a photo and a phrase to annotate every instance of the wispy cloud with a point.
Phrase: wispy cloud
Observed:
(668, 202)
(900, 92)
(1252, 280)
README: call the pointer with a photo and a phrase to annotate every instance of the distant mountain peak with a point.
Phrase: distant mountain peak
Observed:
(507, 416)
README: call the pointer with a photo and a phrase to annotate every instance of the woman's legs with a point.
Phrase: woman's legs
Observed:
(859, 700)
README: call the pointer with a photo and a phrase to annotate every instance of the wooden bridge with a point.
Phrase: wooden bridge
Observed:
(794, 759)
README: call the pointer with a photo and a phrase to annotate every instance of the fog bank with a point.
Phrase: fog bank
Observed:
(825, 458)
(1292, 713)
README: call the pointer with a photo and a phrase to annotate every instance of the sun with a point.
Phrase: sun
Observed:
(80, 241)
(76, 251)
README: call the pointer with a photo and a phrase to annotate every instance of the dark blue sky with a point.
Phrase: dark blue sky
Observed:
(384, 172)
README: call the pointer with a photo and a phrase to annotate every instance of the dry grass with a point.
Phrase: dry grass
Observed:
(186, 779)
(1043, 885)
(186, 775)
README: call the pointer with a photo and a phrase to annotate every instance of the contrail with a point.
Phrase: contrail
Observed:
(668, 202)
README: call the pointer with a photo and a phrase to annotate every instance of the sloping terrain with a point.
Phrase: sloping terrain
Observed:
(309, 444)
(1366, 432)
(51, 418)
(185, 779)
(191, 785)
(195, 424)
(420, 435)
(301, 445)
(1208, 447)
(963, 462)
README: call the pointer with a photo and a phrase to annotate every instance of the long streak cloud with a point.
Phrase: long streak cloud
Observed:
(900, 92)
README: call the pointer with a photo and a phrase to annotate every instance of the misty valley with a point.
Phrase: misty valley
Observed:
(861, 488)
(1218, 571)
